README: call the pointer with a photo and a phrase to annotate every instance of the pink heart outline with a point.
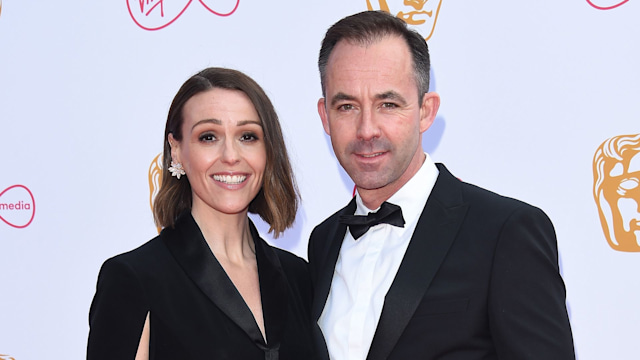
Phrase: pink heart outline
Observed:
(177, 16)
(606, 7)
(33, 201)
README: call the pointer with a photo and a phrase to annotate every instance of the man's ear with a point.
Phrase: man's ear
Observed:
(175, 148)
(428, 110)
(322, 111)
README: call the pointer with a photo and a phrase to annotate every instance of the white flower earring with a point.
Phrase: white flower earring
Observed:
(176, 169)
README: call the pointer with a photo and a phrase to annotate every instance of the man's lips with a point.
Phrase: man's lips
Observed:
(371, 155)
(370, 161)
(370, 150)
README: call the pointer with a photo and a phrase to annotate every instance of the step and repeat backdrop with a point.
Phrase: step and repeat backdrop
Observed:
(539, 102)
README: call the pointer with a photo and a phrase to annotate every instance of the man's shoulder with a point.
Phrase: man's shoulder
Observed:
(478, 195)
(483, 203)
(475, 193)
(488, 205)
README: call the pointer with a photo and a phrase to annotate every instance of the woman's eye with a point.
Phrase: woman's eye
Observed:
(249, 137)
(207, 137)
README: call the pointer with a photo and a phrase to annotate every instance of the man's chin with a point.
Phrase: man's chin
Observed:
(369, 185)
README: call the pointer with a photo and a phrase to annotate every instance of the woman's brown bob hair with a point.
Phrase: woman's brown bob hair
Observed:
(277, 201)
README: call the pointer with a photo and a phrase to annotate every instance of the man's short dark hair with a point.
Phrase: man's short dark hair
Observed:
(366, 28)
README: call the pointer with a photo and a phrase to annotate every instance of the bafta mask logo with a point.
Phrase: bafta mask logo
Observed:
(6, 357)
(616, 189)
(155, 179)
(421, 14)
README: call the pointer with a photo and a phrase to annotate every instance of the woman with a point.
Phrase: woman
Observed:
(208, 287)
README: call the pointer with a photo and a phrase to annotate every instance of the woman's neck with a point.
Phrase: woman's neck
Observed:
(227, 235)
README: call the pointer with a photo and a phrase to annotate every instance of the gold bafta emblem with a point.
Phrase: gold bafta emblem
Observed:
(155, 179)
(422, 14)
(616, 189)
(6, 357)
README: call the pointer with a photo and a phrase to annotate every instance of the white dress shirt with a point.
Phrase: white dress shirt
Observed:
(366, 268)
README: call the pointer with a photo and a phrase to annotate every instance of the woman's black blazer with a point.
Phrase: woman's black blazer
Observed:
(195, 310)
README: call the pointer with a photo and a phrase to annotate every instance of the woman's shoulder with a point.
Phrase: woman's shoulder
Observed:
(141, 250)
(289, 259)
(144, 256)
(295, 269)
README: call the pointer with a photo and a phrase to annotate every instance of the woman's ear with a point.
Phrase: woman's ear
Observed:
(175, 148)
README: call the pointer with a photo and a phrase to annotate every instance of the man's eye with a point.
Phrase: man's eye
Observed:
(389, 105)
(345, 107)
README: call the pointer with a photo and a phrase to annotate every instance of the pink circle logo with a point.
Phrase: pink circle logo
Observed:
(158, 14)
(17, 206)
(606, 4)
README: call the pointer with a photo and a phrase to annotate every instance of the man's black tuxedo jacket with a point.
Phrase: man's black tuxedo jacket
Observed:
(195, 311)
(479, 280)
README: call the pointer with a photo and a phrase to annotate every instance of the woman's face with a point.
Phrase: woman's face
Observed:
(222, 150)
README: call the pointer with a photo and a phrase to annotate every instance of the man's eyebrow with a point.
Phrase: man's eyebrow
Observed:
(387, 95)
(341, 97)
(391, 95)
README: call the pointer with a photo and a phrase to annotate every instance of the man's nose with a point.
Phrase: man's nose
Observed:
(368, 127)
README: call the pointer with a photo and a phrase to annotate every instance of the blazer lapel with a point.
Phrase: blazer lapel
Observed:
(188, 246)
(273, 290)
(436, 230)
(328, 262)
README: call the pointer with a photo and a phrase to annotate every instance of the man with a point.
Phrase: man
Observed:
(460, 272)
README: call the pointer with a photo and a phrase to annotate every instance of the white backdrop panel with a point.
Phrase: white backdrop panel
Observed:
(529, 91)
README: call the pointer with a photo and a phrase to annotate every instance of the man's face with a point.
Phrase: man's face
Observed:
(621, 191)
(373, 114)
(423, 14)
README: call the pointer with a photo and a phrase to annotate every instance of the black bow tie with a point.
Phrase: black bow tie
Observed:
(387, 214)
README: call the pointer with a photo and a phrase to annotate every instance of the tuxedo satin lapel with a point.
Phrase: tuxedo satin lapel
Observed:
(273, 290)
(334, 237)
(436, 230)
(189, 248)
